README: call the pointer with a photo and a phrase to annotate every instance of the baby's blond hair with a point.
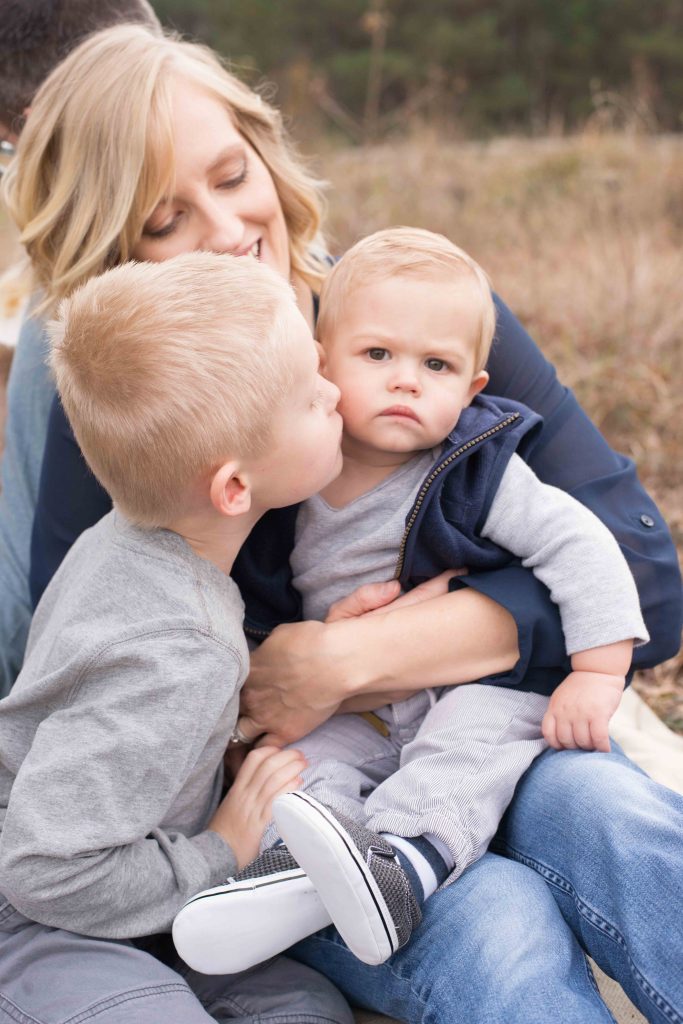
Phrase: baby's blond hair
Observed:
(166, 371)
(409, 251)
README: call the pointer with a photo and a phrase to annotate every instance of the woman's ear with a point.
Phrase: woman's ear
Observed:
(230, 490)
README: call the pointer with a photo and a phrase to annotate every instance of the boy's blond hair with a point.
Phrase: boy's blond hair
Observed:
(167, 370)
(96, 156)
(409, 251)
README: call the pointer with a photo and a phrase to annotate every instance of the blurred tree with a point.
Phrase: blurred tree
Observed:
(478, 66)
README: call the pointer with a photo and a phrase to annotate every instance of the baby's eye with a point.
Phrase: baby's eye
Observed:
(436, 365)
(378, 354)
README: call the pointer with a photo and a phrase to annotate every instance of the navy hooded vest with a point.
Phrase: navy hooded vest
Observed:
(442, 528)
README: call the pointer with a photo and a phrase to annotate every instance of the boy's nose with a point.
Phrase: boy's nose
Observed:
(333, 394)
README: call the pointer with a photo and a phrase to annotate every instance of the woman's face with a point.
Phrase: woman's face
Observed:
(224, 200)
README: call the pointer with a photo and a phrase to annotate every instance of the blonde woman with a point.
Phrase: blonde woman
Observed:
(145, 147)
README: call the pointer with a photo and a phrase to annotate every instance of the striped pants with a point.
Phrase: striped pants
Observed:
(447, 766)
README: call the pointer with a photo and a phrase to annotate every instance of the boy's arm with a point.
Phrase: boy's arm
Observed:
(89, 841)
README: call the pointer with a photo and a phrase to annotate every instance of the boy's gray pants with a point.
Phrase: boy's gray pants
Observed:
(446, 767)
(50, 976)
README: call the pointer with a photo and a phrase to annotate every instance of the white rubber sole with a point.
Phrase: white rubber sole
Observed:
(235, 926)
(336, 868)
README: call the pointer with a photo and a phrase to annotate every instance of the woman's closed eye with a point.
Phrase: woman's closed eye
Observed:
(227, 181)
(164, 231)
(235, 180)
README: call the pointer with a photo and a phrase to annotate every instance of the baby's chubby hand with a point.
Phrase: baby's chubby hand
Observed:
(580, 709)
(246, 810)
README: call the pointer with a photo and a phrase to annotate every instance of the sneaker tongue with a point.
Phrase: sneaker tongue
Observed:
(276, 858)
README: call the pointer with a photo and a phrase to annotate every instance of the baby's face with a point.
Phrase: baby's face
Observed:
(402, 354)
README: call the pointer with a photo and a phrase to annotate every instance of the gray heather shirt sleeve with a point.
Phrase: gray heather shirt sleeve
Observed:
(88, 842)
(573, 553)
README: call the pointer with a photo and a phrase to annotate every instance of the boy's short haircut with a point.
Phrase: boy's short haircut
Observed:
(408, 251)
(167, 370)
(36, 35)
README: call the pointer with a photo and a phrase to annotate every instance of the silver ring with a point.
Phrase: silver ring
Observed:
(238, 737)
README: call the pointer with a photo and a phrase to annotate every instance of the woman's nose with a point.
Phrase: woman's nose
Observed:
(222, 231)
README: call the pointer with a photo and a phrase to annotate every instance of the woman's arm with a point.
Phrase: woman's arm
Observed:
(303, 672)
(70, 500)
(573, 455)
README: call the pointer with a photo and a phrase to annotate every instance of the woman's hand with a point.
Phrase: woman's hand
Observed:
(364, 602)
(284, 694)
(297, 679)
(304, 672)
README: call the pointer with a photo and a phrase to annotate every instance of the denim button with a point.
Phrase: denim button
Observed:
(647, 520)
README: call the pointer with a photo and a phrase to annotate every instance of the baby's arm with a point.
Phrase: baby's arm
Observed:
(579, 560)
(580, 709)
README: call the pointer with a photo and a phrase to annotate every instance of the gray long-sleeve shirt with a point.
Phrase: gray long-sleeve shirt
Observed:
(111, 742)
(567, 547)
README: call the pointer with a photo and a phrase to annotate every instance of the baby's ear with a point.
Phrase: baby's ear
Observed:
(479, 382)
(230, 490)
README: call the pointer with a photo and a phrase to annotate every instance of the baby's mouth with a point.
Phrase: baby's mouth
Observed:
(401, 411)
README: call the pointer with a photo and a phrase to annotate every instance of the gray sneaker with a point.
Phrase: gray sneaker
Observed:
(267, 907)
(359, 880)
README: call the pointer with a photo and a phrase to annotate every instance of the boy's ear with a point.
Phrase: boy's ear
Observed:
(479, 381)
(230, 490)
(321, 353)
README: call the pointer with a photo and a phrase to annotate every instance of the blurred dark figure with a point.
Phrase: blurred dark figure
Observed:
(35, 35)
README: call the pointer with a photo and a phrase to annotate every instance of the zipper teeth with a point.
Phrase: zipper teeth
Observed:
(432, 477)
(251, 631)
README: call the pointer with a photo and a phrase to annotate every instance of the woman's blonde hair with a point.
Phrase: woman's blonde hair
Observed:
(96, 156)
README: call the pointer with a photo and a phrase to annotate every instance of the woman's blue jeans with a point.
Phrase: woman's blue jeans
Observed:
(589, 857)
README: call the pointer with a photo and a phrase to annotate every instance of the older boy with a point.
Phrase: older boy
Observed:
(406, 324)
(112, 741)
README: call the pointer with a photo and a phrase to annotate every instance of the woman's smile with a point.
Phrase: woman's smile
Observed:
(224, 198)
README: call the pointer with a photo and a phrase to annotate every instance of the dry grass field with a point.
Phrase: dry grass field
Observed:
(582, 237)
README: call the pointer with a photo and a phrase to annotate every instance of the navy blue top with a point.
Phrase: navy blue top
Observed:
(569, 453)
